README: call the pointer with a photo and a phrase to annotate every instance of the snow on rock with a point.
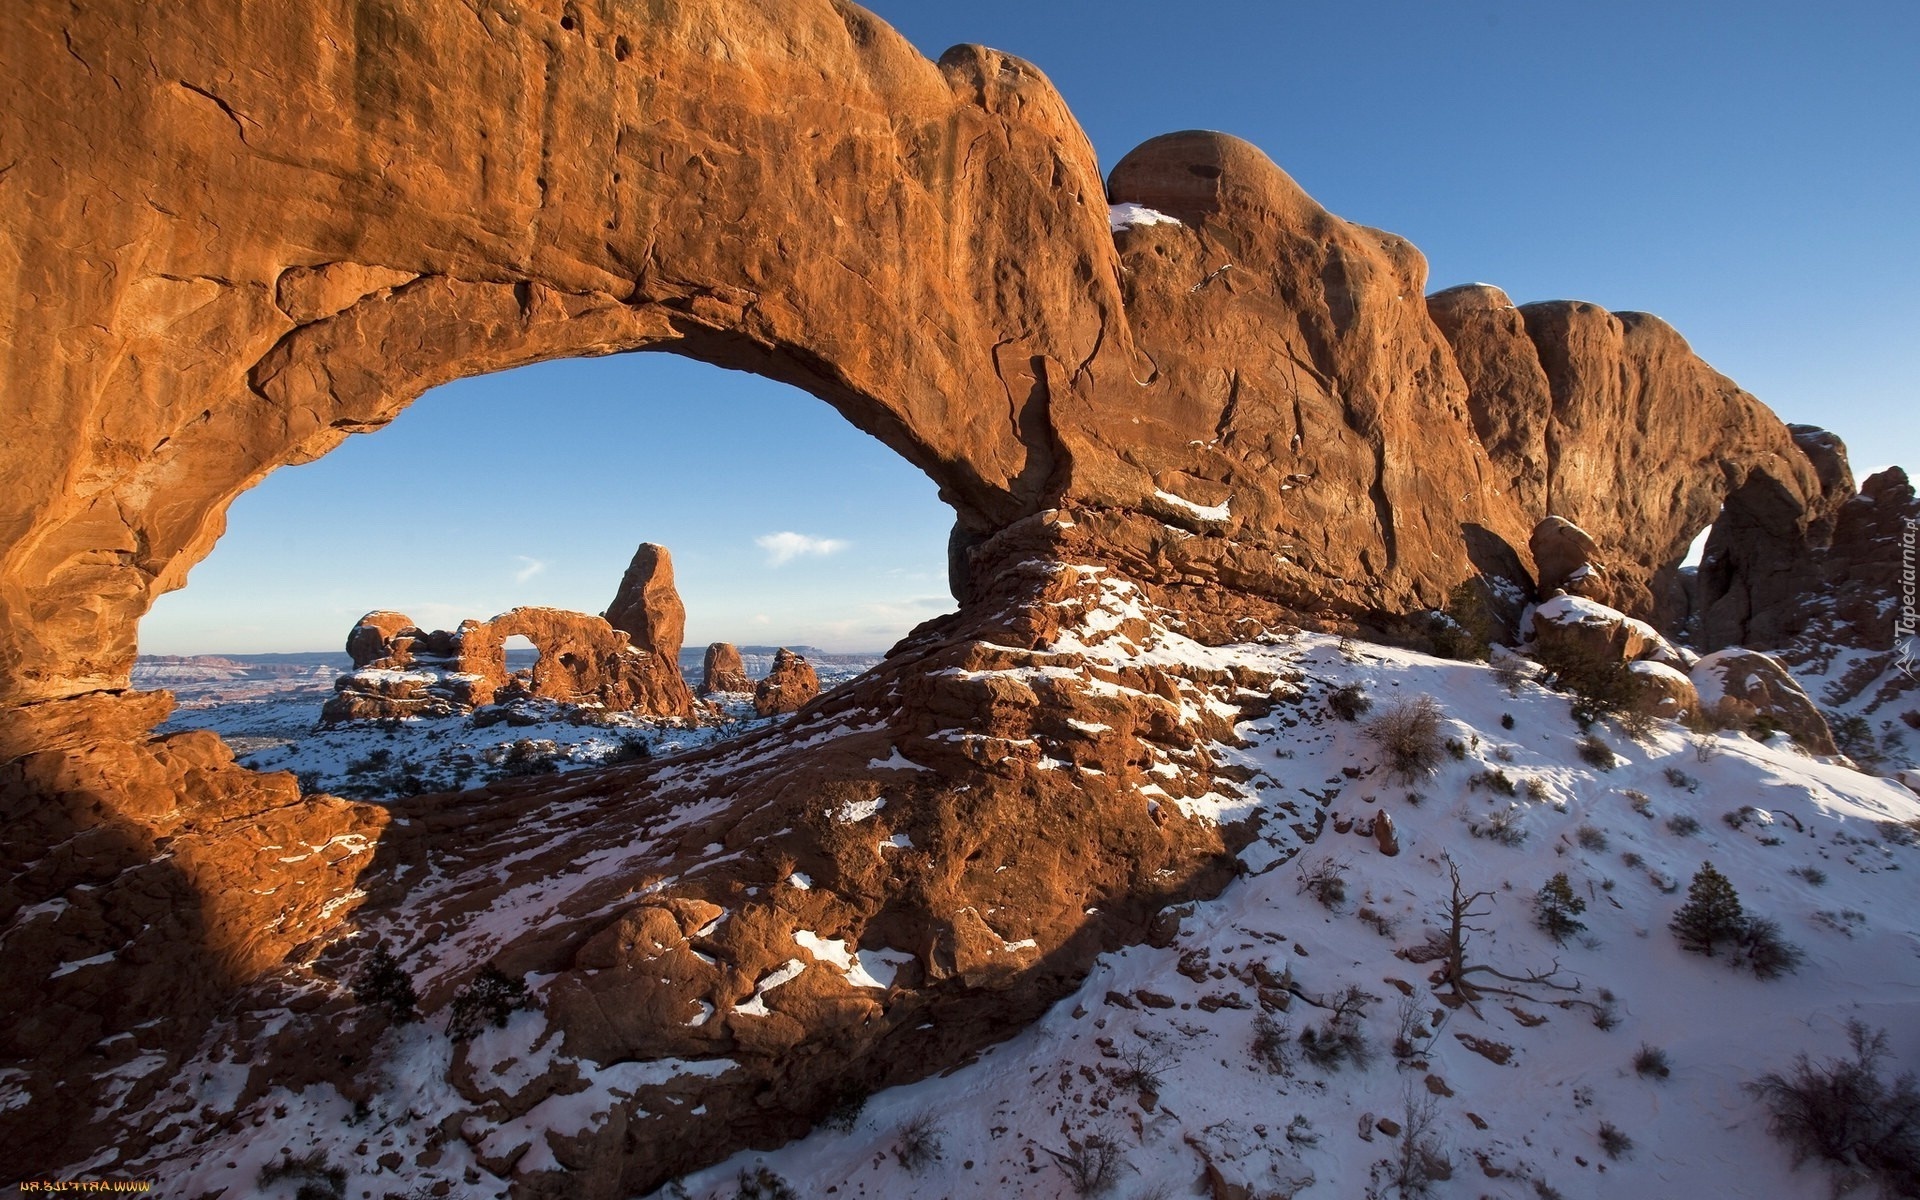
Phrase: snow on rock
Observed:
(1205, 512)
(1126, 216)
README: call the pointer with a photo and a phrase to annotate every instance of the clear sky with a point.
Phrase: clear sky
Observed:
(1748, 171)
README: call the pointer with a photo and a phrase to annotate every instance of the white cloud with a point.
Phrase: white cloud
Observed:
(785, 546)
(529, 567)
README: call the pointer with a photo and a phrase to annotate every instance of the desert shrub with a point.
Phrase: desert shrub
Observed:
(1419, 1162)
(1506, 720)
(1408, 735)
(1556, 909)
(1340, 1039)
(529, 756)
(1325, 881)
(1595, 753)
(1900, 833)
(1349, 702)
(1640, 802)
(489, 998)
(1633, 859)
(1590, 838)
(762, 1184)
(1456, 750)
(844, 1113)
(1711, 915)
(1466, 629)
(1866, 1128)
(318, 1178)
(383, 983)
(1813, 875)
(1273, 1045)
(1855, 738)
(1536, 789)
(1503, 827)
(1683, 825)
(1600, 684)
(374, 761)
(1768, 953)
(1680, 779)
(1606, 1010)
(1378, 921)
(1494, 780)
(918, 1143)
(1651, 1062)
(631, 748)
(1615, 1142)
(1092, 1164)
(1142, 1068)
(1413, 1039)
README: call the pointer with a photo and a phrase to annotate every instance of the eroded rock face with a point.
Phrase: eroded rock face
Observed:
(584, 662)
(647, 606)
(1580, 410)
(723, 671)
(1842, 621)
(789, 685)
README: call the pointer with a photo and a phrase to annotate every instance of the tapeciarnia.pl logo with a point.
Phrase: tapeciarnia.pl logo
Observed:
(1904, 624)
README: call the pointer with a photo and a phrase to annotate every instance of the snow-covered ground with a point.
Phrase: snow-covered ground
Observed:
(273, 725)
(1179, 1063)
(1156, 1054)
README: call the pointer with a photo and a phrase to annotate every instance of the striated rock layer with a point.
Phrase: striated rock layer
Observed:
(237, 236)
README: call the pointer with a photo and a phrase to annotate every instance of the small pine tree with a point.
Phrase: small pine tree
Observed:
(383, 983)
(1556, 909)
(1712, 913)
(488, 1000)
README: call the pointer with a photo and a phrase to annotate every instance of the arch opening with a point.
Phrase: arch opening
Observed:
(787, 526)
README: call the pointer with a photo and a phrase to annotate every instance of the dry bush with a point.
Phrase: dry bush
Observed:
(1864, 1127)
(1408, 734)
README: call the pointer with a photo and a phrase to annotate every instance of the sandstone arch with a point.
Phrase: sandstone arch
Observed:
(239, 235)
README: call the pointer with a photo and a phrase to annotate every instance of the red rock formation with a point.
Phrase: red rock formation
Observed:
(789, 685)
(1581, 409)
(723, 671)
(1745, 689)
(276, 229)
(1567, 559)
(583, 661)
(647, 606)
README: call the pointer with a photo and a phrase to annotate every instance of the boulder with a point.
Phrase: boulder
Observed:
(647, 606)
(723, 671)
(1566, 558)
(381, 635)
(1573, 625)
(1663, 691)
(791, 683)
(1747, 689)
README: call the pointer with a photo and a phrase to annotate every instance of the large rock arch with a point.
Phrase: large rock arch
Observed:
(238, 234)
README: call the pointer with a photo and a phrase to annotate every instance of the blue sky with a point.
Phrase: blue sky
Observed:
(1750, 172)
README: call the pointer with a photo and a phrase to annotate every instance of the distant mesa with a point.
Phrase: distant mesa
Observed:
(724, 672)
(790, 684)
